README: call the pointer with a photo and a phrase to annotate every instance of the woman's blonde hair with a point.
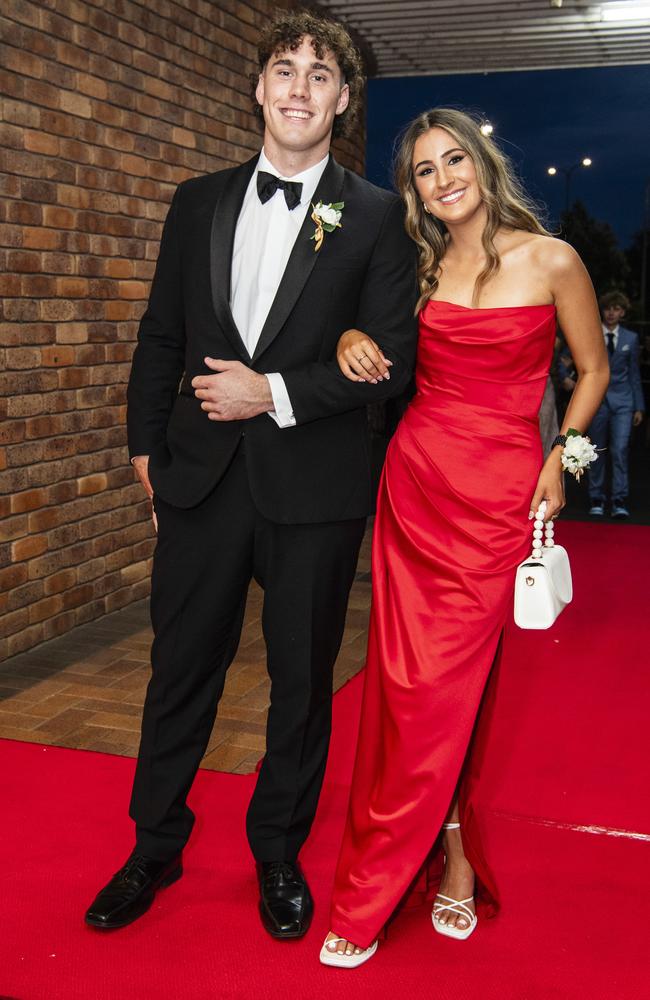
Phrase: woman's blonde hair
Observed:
(505, 200)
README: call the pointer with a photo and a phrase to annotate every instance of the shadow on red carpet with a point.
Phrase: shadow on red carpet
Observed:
(567, 826)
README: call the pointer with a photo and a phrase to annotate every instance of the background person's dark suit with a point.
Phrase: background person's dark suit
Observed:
(612, 425)
(245, 498)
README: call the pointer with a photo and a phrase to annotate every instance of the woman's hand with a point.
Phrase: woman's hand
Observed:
(550, 486)
(360, 358)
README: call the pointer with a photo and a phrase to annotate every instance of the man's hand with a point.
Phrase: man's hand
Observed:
(141, 465)
(637, 418)
(235, 393)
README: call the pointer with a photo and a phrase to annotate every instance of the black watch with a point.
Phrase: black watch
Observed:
(560, 439)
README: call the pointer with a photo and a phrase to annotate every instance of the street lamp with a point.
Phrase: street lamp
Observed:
(586, 161)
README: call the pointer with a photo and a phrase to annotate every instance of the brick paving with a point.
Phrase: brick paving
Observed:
(85, 690)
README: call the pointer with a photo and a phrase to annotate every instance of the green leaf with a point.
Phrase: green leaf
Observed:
(338, 205)
(572, 432)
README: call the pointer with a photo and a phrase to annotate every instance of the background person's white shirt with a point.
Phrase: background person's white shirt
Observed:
(264, 238)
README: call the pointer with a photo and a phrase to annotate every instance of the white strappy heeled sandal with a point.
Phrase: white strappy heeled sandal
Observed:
(352, 961)
(458, 906)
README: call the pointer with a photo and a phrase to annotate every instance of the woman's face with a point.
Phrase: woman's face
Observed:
(445, 178)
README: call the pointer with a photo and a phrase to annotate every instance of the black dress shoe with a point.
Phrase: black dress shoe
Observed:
(286, 906)
(132, 890)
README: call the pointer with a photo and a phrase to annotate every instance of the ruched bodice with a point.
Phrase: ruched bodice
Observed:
(493, 358)
(451, 527)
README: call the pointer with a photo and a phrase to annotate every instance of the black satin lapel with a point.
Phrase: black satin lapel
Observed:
(222, 238)
(301, 261)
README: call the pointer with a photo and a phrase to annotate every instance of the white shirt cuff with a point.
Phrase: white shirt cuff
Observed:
(282, 411)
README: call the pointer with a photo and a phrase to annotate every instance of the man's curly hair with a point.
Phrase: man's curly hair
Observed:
(286, 32)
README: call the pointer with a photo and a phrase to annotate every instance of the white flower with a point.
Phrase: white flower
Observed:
(327, 219)
(577, 454)
(328, 214)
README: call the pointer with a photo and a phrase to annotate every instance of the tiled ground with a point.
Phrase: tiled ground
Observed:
(86, 688)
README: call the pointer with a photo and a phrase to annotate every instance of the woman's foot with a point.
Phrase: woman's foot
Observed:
(454, 911)
(344, 954)
(340, 946)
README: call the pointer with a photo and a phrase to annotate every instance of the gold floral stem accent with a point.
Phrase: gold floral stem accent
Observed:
(319, 235)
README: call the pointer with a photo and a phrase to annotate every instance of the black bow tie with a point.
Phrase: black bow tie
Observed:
(268, 184)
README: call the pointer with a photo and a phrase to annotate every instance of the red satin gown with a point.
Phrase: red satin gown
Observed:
(451, 527)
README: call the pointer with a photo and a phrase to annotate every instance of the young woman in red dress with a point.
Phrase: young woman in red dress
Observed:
(463, 471)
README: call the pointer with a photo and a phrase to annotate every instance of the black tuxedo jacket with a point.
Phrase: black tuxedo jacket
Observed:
(363, 276)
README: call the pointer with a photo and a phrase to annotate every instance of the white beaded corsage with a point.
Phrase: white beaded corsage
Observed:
(578, 453)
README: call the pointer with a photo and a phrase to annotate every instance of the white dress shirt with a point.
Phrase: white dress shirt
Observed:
(264, 238)
(614, 331)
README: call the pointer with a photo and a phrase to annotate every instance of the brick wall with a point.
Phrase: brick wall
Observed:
(103, 114)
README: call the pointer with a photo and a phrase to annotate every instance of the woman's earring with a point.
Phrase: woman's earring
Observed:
(426, 208)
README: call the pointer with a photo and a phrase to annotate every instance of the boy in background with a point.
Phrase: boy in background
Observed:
(622, 408)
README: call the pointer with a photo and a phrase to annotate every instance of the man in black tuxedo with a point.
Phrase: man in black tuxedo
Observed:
(253, 447)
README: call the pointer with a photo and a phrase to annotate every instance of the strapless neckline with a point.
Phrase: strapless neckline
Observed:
(457, 305)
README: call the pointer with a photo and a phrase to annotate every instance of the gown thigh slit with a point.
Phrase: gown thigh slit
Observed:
(451, 527)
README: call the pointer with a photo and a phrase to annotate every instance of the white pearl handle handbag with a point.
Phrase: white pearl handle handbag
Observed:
(543, 585)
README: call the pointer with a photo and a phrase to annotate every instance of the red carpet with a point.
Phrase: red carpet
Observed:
(569, 830)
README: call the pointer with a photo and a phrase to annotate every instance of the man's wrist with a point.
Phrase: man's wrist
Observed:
(266, 394)
(281, 409)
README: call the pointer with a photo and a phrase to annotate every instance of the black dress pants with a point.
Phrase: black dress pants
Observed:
(204, 561)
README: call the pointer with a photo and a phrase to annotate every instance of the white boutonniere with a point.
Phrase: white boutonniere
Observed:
(327, 219)
(578, 453)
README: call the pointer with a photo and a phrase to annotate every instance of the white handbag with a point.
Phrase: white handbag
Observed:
(543, 585)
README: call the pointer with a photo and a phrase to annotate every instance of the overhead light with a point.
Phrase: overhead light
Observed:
(587, 161)
(487, 128)
(625, 10)
(552, 171)
(556, 3)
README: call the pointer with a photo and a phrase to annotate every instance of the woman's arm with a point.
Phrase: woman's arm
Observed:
(578, 316)
(579, 319)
